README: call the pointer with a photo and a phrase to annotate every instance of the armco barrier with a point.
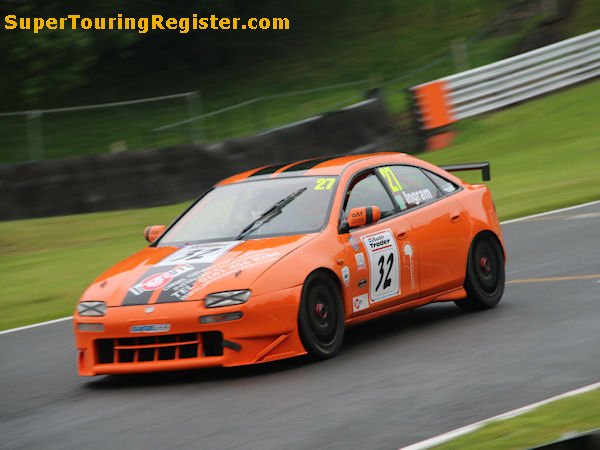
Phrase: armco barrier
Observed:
(138, 179)
(486, 88)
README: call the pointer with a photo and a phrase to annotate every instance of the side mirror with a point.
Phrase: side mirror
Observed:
(153, 232)
(365, 215)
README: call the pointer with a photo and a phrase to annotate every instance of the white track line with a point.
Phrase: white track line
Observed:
(547, 213)
(442, 438)
(34, 325)
(506, 222)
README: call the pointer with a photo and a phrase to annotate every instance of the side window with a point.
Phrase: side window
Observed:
(410, 186)
(367, 190)
(447, 187)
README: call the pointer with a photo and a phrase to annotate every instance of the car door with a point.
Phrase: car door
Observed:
(438, 226)
(380, 265)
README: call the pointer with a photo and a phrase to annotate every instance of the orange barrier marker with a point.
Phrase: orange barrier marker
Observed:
(434, 105)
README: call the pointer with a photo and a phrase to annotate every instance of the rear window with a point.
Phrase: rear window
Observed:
(410, 186)
(447, 187)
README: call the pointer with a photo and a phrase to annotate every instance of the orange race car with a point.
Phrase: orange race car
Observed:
(276, 262)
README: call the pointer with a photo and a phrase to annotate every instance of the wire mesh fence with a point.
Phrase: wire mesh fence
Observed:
(62, 132)
(181, 118)
(260, 114)
(157, 122)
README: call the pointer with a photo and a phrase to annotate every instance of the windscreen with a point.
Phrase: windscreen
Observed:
(250, 210)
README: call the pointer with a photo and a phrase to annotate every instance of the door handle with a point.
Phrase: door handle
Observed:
(401, 234)
(455, 216)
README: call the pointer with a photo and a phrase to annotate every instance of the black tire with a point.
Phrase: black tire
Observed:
(485, 278)
(321, 316)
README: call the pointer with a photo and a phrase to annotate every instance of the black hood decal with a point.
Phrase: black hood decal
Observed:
(176, 274)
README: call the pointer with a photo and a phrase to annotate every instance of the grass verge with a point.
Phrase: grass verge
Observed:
(545, 154)
(545, 424)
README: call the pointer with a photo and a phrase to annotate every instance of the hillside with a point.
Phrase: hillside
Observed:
(394, 44)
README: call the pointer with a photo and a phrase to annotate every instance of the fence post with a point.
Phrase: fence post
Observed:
(35, 137)
(194, 108)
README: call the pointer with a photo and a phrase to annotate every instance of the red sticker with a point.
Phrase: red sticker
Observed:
(156, 281)
(159, 280)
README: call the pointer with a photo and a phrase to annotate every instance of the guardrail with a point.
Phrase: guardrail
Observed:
(444, 101)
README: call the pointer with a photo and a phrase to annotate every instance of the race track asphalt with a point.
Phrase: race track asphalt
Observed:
(399, 379)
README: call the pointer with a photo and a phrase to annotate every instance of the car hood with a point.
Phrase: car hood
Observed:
(187, 273)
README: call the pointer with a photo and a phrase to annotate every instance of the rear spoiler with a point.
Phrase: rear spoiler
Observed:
(483, 166)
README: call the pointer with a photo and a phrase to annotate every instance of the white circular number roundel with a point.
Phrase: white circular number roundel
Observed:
(384, 265)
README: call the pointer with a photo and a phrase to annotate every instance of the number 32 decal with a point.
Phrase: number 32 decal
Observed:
(383, 262)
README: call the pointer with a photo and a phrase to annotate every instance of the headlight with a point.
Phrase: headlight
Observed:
(93, 309)
(226, 298)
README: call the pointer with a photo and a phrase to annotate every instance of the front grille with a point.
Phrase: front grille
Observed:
(167, 347)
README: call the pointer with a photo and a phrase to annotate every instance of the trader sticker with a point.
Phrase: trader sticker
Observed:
(361, 302)
(198, 253)
(384, 266)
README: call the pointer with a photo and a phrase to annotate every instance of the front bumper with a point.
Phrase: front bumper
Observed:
(267, 331)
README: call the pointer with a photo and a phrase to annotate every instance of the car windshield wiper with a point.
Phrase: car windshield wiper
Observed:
(269, 214)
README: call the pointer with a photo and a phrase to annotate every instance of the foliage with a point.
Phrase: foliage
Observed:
(50, 67)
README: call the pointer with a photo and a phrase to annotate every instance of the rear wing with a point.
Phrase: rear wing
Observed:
(483, 166)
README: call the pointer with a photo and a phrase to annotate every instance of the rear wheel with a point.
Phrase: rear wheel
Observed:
(321, 316)
(485, 278)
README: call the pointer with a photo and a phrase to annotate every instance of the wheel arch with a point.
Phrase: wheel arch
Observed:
(333, 276)
(492, 235)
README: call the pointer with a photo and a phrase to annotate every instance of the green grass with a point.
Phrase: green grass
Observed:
(545, 154)
(46, 264)
(373, 42)
(545, 424)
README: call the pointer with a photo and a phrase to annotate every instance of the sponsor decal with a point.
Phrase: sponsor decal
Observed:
(153, 328)
(159, 280)
(384, 266)
(360, 261)
(346, 275)
(149, 309)
(354, 243)
(417, 197)
(232, 267)
(390, 177)
(195, 281)
(400, 201)
(409, 252)
(448, 187)
(179, 289)
(362, 283)
(361, 302)
(198, 254)
(198, 270)
(324, 184)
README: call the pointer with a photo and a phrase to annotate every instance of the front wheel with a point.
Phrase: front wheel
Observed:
(321, 317)
(485, 278)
